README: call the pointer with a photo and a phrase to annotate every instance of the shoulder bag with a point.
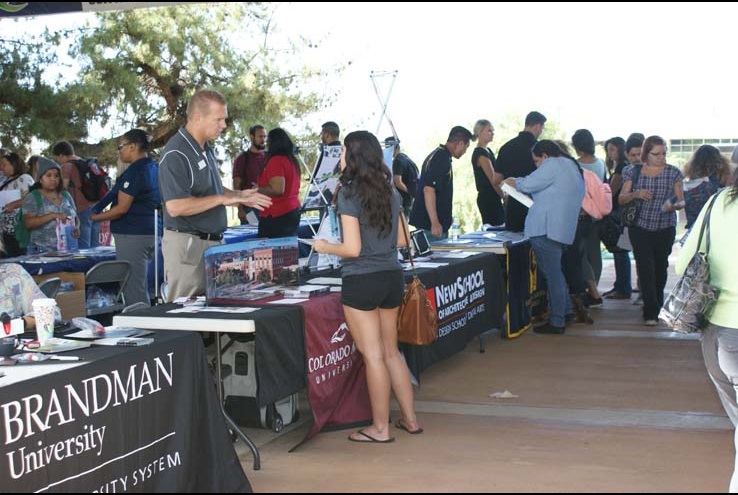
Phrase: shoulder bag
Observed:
(691, 300)
(629, 211)
(417, 321)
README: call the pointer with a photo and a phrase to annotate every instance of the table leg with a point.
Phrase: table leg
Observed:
(229, 420)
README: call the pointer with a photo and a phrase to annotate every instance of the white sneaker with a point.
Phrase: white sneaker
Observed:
(651, 323)
(638, 301)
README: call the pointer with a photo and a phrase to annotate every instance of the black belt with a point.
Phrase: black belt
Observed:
(201, 235)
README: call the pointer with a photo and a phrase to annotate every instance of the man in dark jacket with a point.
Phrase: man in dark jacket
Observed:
(516, 160)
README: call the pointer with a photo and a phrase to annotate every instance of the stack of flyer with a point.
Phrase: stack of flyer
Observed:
(306, 291)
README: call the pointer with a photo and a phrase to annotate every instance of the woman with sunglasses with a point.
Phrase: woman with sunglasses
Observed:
(134, 198)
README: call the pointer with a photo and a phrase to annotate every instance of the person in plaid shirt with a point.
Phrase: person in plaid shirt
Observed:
(654, 231)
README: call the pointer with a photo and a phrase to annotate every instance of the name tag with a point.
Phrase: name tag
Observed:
(202, 164)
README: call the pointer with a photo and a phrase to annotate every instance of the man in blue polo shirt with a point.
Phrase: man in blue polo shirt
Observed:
(194, 197)
(434, 199)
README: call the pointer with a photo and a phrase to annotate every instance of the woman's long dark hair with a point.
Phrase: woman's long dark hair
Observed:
(279, 143)
(619, 143)
(370, 178)
(706, 161)
(550, 148)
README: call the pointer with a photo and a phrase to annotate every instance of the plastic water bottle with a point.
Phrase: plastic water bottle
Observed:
(455, 230)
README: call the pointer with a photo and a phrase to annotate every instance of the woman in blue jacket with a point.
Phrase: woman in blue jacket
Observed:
(134, 198)
(557, 188)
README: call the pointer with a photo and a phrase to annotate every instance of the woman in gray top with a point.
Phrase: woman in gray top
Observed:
(372, 279)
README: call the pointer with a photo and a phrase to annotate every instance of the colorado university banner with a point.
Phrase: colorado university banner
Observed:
(141, 419)
(335, 369)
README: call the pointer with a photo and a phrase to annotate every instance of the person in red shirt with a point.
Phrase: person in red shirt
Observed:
(280, 181)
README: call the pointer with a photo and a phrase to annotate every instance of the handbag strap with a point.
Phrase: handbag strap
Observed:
(706, 226)
(8, 182)
(404, 228)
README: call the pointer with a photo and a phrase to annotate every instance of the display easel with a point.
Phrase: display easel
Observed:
(389, 148)
(319, 197)
(323, 178)
(384, 100)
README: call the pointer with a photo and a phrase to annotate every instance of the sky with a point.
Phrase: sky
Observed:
(613, 68)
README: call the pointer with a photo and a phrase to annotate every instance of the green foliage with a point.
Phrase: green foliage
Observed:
(31, 105)
(139, 68)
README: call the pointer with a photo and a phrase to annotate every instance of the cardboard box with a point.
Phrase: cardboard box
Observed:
(71, 303)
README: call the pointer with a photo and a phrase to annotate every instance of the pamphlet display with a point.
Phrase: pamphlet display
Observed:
(324, 179)
(233, 271)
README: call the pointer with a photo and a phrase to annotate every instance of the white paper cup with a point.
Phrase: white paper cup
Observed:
(43, 311)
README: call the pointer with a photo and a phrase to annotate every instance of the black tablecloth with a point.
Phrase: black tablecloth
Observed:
(470, 298)
(280, 345)
(137, 419)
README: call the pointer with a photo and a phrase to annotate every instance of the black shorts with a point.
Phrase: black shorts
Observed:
(373, 290)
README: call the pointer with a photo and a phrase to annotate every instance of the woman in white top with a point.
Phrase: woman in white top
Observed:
(720, 339)
(16, 179)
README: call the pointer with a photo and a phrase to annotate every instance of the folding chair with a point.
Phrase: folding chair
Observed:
(135, 306)
(50, 286)
(106, 274)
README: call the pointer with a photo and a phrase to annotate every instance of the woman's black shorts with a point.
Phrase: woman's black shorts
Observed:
(373, 290)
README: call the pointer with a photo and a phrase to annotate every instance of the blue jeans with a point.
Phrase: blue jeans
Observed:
(622, 273)
(89, 231)
(548, 257)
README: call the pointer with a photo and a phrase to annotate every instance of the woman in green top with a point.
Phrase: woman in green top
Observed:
(720, 339)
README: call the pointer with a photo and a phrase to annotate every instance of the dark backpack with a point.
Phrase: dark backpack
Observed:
(95, 181)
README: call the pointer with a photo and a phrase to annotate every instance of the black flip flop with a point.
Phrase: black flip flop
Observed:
(370, 439)
(401, 425)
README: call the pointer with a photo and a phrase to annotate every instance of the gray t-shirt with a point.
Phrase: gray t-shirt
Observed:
(186, 170)
(378, 253)
(45, 235)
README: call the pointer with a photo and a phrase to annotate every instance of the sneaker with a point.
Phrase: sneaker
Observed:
(609, 293)
(550, 329)
(651, 323)
(638, 301)
(616, 295)
(596, 303)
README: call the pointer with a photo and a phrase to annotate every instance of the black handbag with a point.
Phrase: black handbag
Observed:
(610, 231)
(691, 300)
(629, 211)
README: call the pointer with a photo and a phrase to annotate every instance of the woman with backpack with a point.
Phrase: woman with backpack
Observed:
(13, 167)
(47, 208)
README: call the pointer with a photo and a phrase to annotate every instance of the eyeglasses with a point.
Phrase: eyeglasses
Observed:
(663, 153)
(121, 146)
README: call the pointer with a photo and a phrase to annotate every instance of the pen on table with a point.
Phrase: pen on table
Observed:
(65, 358)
